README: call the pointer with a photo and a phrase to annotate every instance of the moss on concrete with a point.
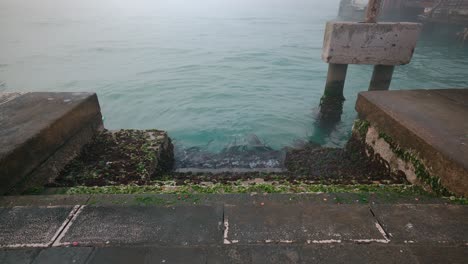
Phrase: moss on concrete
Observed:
(420, 170)
(120, 157)
(169, 187)
(361, 126)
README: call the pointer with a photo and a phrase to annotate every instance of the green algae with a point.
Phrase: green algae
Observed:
(361, 126)
(420, 170)
(224, 188)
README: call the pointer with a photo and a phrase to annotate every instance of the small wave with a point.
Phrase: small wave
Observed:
(250, 153)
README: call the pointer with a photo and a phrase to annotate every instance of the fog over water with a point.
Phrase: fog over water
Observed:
(211, 72)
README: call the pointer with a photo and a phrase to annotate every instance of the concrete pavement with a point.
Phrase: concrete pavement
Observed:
(244, 228)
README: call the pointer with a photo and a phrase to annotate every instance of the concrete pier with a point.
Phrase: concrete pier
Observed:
(422, 133)
(40, 133)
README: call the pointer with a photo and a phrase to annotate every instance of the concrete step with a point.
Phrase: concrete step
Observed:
(40, 133)
(349, 253)
(423, 133)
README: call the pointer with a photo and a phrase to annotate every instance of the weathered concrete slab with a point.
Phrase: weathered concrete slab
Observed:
(34, 126)
(149, 255)
(316, 253)
(364, 253)
(370, 43)
(153, 225)
(258, 254)
(230, 254)
(432, 124)
(437, 224)
(72, 255)
(277, 223)
(438, 254)
(459, 96)
(31, 226)
(18, 256)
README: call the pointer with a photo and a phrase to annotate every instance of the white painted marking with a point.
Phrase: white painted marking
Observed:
(385, 241)
(226, 231)
(47, 244)
(34, 245)
(382, 232)
(326, 241)
(73, 215)
(64, 224)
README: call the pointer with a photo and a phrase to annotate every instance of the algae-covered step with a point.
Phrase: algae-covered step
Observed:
(120, 157)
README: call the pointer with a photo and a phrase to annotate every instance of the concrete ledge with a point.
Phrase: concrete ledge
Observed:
(216, 199)
(240, 254)
(423, 133)
(34, 126)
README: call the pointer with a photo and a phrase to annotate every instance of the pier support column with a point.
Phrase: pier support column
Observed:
(336, 77)
(331, 103)
(381, 77)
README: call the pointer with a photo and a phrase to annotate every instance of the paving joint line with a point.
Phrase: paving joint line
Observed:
(380, 226)
(55, 242)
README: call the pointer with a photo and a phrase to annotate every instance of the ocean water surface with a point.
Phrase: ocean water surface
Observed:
(211, 72)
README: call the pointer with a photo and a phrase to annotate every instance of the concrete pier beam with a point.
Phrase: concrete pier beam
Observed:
(370, 43)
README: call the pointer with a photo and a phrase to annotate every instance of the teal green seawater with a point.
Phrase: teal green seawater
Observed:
(211, 72)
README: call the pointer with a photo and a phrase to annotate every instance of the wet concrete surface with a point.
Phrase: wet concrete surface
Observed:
(444, 224)
(260, 229)
(31, 226)
(257, 254)
(74, 255)
(158, 225)
(267, 222)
